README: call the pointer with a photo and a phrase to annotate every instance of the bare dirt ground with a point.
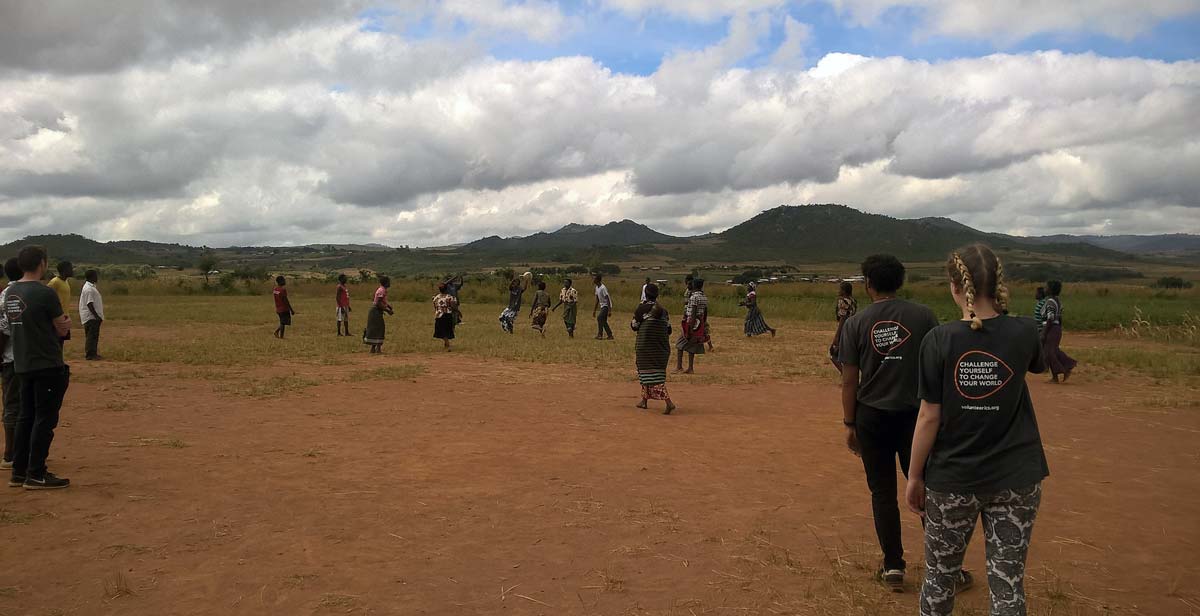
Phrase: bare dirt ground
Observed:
(482, 487)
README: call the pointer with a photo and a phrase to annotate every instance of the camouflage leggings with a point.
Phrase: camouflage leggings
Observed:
(1007, 527)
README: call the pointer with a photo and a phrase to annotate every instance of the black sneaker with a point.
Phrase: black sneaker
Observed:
(892, 578)
(47, 482)
(16, 481)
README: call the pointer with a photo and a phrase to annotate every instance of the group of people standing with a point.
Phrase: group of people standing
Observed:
(34, 326)
(950, 402)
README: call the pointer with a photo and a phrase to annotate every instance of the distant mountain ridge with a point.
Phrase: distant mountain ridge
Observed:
(574, 236)
(813, 233)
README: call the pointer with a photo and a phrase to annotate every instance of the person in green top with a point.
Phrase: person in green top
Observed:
(1038, 306)
(38, 326)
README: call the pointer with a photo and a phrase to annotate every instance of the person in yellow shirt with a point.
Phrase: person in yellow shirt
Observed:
(62, 286)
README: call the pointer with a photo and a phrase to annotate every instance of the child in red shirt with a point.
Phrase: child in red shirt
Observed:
(283, 307)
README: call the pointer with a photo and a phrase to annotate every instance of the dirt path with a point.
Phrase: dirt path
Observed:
(470, 490)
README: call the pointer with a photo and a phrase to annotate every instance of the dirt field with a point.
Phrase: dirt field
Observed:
(448, 484)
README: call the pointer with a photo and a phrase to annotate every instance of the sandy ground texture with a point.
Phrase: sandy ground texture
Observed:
(467, 486)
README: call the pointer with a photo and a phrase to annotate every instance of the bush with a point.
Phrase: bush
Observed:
(1172, 282)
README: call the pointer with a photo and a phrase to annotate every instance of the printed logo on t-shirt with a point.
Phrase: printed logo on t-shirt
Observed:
(14, 308)
(979, 375)
(887, 336)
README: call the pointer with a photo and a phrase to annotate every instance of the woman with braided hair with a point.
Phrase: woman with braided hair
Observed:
(976, 451)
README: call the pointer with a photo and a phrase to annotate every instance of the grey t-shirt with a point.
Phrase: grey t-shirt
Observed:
(883, 340)
(31, 308)
(988, 438)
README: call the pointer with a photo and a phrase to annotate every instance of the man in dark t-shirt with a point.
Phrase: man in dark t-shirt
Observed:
(38, 326)
(879, 349)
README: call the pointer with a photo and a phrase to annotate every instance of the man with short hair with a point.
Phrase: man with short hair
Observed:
(604, 306)
(38, 325)
(9, 387)
(91, 312)
(878, 350)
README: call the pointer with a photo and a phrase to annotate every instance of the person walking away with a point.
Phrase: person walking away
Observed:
(755, 323)
(516, 290)
(540, 308)
(652, 349)
(645, 285)
(1059, 362)
(376, 331)
(38, 326)
(846, 307)
(695, 327)
(10, 389)
(91, 312)
(283, 306)
(342, 301)
(444, 315)
(878, 351)
(604, 305)
(568, 297)
(62, 286)
(977, 452)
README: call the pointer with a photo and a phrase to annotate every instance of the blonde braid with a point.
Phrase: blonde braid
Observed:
(968, 287)
(1001, 288)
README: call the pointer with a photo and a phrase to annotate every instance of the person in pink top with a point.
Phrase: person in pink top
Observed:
(376, 330)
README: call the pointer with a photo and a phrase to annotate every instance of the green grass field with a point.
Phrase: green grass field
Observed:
(1130, 327)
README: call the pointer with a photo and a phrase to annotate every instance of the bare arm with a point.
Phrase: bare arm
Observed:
(92, 307)
(62, 325)
(850, 406)
(928, 421)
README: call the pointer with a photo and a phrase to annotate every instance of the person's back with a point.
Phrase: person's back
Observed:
(988, 440)
(32, 308)
(62, 289)
(882, 340)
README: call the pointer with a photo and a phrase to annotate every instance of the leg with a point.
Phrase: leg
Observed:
(679, 362)
(878, 442)
(24, 428)
(48, 398)
(949, 524)
(91, 336)
(691, 362)
(604, 312)
(1008, 528)
(12, 407)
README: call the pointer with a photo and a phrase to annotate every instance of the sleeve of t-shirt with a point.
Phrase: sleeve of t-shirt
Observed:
(929, 385)
(1050, 311)
(848, 343)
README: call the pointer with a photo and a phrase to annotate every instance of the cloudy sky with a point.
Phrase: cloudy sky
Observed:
(427, 123)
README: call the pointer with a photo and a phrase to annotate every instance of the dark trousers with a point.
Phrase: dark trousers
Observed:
(42, 393)
(12, 405)
(602, 328)
(884, 436)
(91, 335)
